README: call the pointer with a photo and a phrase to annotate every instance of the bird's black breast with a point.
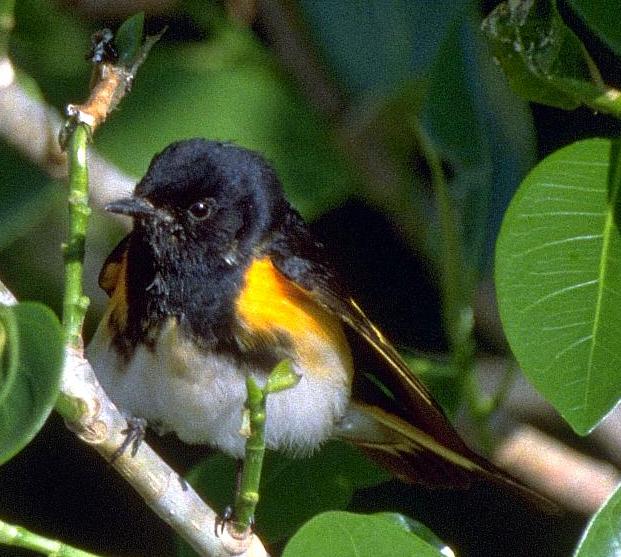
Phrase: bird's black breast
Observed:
(171, 282)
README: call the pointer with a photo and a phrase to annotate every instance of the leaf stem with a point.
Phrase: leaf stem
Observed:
(75, 302)
(456, 282)
(608, 102)
(17, 536)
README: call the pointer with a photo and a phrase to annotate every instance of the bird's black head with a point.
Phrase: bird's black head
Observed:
(201, 213)
(212, 196)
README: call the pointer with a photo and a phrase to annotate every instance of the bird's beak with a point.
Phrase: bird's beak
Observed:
(132, 207)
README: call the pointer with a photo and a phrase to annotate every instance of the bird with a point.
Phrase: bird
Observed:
(219, 279)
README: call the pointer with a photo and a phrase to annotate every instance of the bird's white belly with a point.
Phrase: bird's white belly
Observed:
(201, 397)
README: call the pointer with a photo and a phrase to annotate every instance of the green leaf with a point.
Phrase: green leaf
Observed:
(32, 360)
(282, 377)
(292, 489)
(558, 279)
(415, 527)
(603, 18)
(342, 534)
(601, 537)
(441, 379)
(543, 59)
(128, 39)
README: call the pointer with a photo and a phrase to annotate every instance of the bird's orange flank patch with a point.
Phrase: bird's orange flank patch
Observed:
(270, 305)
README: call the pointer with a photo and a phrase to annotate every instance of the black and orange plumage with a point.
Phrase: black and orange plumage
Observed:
(221, 278)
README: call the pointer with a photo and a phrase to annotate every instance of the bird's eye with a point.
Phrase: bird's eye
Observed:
(203, 209)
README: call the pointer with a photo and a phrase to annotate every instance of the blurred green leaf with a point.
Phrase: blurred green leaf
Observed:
(603, 18)
(292, 490)
(441, 379)
(25, 194)
(543, 59)
(128, 39)
(558, 280)
(342, 534)
(601, 537)
(376, 46)
(49, 44)
(32, 357)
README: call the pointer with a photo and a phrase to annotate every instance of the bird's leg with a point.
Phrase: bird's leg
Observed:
(134, 435)
(228, 514)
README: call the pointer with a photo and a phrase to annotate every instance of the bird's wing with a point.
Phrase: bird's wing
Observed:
(407, 432)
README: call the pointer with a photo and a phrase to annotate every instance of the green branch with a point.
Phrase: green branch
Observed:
(17, 536)
(282, 377)
(456, 281)
(75, 302)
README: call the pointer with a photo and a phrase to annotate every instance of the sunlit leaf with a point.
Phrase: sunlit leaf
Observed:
(342, 534)
(558, 278)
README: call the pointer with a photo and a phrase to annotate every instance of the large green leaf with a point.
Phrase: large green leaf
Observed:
(558, 278)
(602, 538)
(602, 17)
(342, 534)
(32, 357)
(543, 59)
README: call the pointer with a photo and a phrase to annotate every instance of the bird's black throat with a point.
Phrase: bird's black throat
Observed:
(172, 277)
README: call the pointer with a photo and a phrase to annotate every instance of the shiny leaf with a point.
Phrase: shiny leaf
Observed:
(543, 59)
(558, 279)
(342, 534)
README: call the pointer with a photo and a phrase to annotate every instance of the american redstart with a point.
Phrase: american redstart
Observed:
(220, 278)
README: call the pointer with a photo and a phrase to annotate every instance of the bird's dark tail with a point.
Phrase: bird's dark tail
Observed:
(416, 457)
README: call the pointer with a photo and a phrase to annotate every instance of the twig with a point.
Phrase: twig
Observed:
(32, 127)
(17, 536)
(282, 377)
(579, 482)
(103, 427)
(75, 302)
